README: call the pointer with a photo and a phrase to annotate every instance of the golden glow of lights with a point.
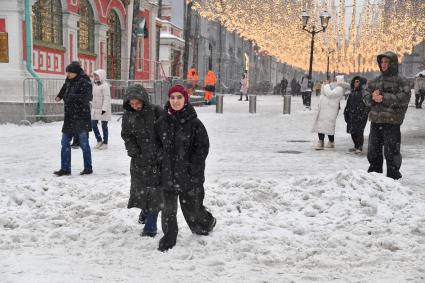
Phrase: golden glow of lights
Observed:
(275, 26)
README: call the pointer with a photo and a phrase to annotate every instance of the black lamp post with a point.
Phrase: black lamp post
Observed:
(329, 52)
(324, 21)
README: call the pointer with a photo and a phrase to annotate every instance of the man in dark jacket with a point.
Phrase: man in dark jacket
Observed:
(138, 134)
(356, 112)
(77, 119)
(388, 97)
(75, 139)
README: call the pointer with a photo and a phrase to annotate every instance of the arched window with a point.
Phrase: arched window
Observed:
(86, 27)
(114, 46)
(47, 21)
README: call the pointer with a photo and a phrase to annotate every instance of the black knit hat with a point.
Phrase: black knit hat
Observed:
(74, 67)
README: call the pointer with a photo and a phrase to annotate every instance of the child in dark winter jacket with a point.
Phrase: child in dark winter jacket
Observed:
(184, 143)
(139, 138)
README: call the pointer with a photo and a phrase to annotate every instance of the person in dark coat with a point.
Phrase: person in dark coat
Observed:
(294, 86)
(283, 86)
(77, 119)
(138, 134)
(388, 97)
(185, 144)
(75, 141)
(356, 112)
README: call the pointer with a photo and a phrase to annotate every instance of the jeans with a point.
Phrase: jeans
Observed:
(97, 133)
(151, 219)
(66, 151)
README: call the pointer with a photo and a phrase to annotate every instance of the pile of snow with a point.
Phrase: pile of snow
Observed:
(349, 226)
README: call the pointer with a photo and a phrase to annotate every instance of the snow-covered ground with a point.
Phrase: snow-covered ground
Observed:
(285, 212)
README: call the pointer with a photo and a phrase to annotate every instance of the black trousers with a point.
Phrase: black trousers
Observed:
(306, 95)
(194, 212)
(419, 99)
(386, 138)
(358, 139)
(322, 137)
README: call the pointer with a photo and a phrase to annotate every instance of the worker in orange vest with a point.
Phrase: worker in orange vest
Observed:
(192, 78)
(210, 82)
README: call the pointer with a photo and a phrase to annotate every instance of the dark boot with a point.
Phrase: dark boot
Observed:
(165, 245)
(86, 172)
(61, 172)
(240, 99)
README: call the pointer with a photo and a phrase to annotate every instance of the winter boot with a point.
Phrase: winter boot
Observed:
(240, 99)
(86, 172)
(103, 146)
(330, 145)
(148, 234)
(320, 145)
(165, 245)
(352, 149)
(98, 145)
(61, 172)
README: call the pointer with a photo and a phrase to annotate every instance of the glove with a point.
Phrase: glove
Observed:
(103, 112)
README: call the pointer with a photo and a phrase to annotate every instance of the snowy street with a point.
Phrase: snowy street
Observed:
(285, 212)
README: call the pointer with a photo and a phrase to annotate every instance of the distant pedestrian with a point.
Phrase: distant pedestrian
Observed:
(294, 86)
(356, 112)
(327, 113)
(317, 87)
(283, 86)
(101, 108)
(192, 77)
(388, 97)
(137, 131)
(306, 90)
(77, 118)
(185, 144)
(419, 90)
(244, 87)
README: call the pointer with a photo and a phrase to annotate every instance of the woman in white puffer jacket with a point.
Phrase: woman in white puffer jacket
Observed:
(101, 108)
(325, 122)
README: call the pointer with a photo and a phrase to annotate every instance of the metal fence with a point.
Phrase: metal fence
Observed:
(39, 96)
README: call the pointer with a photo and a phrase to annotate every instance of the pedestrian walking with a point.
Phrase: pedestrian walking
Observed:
(210, 82)
(75, 141)
(306, 90)
(77, 120)
(101, 108)
(325, 121)
(137, 131)
(356, 112)
(294, 86)
(185, 144)
(388, 97)
(283, 86)
(317, 87)
(419, 90)
(244, 87)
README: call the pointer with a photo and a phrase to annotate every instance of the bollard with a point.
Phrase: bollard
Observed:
(219, 104)
(286, 104)
(252, 104)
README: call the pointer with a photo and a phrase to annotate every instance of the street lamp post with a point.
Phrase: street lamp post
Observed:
(329, 52)
(324, 21)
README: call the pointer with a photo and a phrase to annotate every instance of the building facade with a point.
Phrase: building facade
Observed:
(94, 32)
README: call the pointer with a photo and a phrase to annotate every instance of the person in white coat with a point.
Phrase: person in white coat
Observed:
(244, 87)
(101, 107)
(325, 121)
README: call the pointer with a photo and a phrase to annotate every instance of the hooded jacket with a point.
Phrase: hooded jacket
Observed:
(101, 98)
(137, 131)
(356, 111)
(395, 90)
